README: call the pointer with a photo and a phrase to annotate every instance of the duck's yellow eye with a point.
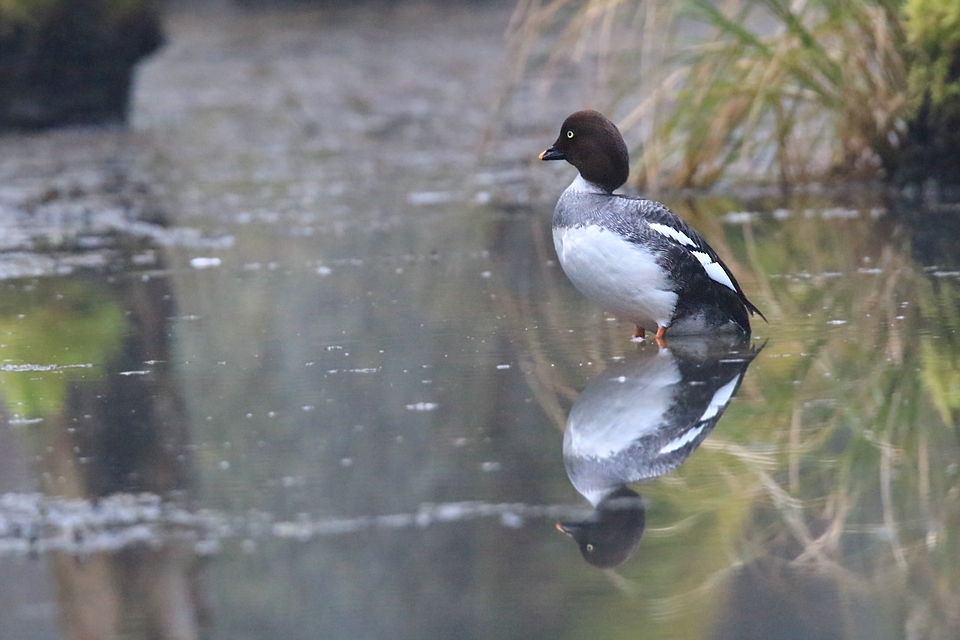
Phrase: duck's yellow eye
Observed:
(589, 546)
(569, 134)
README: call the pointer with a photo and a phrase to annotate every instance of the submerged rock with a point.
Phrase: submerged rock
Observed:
(71, 61)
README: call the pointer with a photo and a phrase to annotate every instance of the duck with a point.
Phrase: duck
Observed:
(635, 257)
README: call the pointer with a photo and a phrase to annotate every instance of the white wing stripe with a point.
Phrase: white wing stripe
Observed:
(682, 440)
(720, 399)
(713, 269)
(670, 232)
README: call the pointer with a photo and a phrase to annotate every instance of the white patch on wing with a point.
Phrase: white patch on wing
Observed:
(670, 232)
(623, 277)
(719, 400)
(713, 269)
(687, 436)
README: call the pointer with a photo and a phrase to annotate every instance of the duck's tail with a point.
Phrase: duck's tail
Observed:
(753, 310)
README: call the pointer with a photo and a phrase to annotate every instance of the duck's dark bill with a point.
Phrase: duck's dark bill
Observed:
(551, 154)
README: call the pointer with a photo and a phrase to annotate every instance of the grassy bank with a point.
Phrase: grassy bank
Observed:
(767, 90)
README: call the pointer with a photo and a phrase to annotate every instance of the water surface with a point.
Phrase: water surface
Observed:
(339, 387)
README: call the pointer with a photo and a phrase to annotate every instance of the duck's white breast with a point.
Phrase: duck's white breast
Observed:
(621, 276)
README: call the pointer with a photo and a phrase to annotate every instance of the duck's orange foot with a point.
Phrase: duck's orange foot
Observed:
(661, 337)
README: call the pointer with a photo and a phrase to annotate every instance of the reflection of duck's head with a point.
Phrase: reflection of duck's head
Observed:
(612, 533)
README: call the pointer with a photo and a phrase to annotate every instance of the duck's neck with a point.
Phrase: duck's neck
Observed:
(581, 185)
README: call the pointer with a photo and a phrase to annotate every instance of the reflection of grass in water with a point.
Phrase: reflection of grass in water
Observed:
(862, 491)
(941, 353)
(839, 455)
(59, 322)
(868, 460)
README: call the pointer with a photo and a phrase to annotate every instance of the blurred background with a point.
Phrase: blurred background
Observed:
(285, 351)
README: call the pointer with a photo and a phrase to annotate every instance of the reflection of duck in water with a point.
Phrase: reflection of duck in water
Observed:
(638, 420)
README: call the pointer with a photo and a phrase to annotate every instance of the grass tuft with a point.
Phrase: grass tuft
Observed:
(786, 91)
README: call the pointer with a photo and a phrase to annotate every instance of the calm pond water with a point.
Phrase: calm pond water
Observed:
(331, 382)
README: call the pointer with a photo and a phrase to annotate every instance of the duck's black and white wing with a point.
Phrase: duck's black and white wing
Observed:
(701, 277)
